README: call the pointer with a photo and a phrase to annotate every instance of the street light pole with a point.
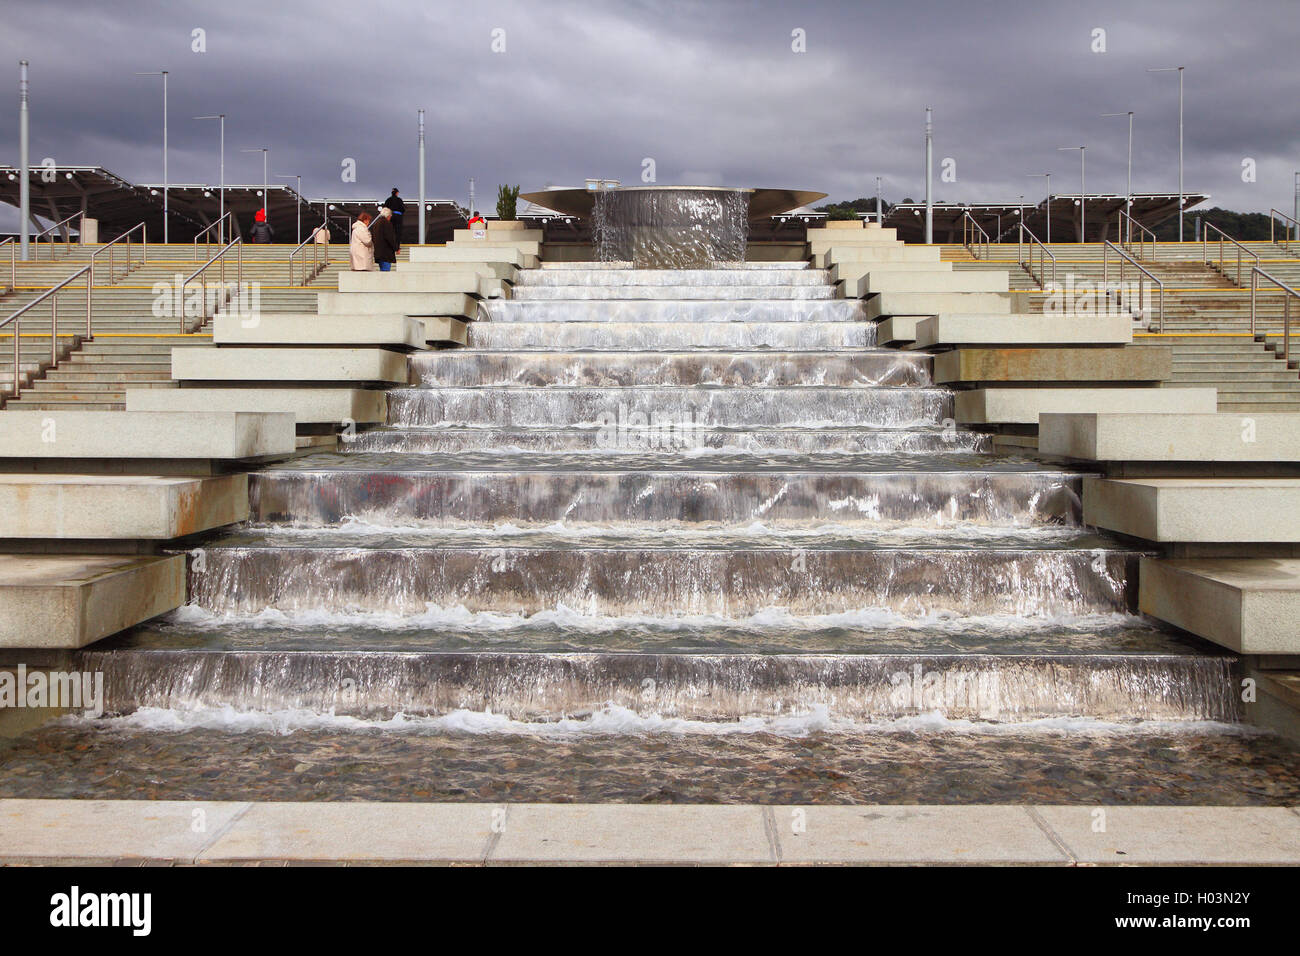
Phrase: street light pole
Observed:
(1179, 69)
(221, 229)
(1083, 192)
(163, 74)
(24, 184)
(421, 112)
(266, 189)
(879, 219)
(929, 162)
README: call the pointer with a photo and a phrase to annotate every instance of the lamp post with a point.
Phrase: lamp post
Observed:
(929, 162)
(1083, 192)
(879, 218)
(221, 229)
(1179, 69)
(163, 74)
(264, 150)
(24, 184)
(1128, 189)
(1048, 177)
(421, 112)
(297, 199)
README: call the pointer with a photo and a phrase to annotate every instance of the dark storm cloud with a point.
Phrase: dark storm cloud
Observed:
(711, 91)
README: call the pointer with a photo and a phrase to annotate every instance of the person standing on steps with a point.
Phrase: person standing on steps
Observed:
(361, 245)
(262, 231)
(394, 202)
(385, 240)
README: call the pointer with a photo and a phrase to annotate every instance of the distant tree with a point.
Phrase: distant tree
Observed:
(1246, 226)
(850, 209)
(507, 202)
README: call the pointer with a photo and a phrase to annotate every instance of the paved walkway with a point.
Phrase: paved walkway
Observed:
(126, 832)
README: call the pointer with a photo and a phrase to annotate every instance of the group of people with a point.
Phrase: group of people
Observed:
(376, 241)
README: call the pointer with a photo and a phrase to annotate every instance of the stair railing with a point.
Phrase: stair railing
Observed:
(1217, 264)
(206, 235)
(1126, 237)
(1106, 247)
(53, 295)
(13, 264)
(1289, 293)
(49, 231)
(1027, 261)
(973, 236)
(224, 290)
(1273, 216)
(320, 256)
(123, 239)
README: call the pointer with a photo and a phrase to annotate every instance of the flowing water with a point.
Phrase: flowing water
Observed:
(663, 535)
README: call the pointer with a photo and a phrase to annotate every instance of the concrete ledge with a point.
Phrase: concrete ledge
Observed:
(505, 271)
(394, 330)
(497, 234)
(1007, 406)
(1049, 365)
(152, 435)
(953, 329)
(212, 364)
(118, 506)
(880, 252)
(1249, 605)
(52, 831)
(1138, 435)
(1219, 510)
(524, 247)
(68, 601)
(897, 329)
(444, 330)
(916, 280)
(478, 254)
(934, 303)
(400, 303)
(307, 405)
(415, 281)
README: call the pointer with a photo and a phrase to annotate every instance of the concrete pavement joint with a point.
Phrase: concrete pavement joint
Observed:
(1057, 840)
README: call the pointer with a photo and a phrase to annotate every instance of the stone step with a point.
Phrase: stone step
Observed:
(1030, 365)
(1249, 605)
(254, 364)
(952, 329)
(1184, 510)
(393, 330)
(881, 281)
(69, 601)
(151, 435)
(934, 303)
(1005, 406)
(1147, 434)
(456, 304)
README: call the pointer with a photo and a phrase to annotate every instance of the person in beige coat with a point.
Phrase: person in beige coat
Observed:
(362, 246)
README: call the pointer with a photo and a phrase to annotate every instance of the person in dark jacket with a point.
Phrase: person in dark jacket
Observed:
(385, 240)
(394, 202)
(262, 231)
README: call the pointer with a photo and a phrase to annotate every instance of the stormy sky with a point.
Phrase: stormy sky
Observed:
(713, 92)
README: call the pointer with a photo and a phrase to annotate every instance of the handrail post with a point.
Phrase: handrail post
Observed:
(90, 289)
(1286, 330)
(54, 329)
(18, 328)
(1254, 286)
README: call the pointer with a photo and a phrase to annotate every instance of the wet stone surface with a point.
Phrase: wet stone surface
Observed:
(1166, 768)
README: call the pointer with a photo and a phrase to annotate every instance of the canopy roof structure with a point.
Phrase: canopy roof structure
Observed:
(1001, 219)
(58, 192)
(579, 202)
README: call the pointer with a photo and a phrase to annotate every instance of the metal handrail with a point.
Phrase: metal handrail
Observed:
(36, 239)
(1289, 293)
(108, 247)
(1106, 246)
(1126, 239)
(1205, 250)
(206, 235)
(1044, 256)
(317, 266)
(16, 319)
(1273, 216)
(13, 264)
(237, 242)
(973, 236)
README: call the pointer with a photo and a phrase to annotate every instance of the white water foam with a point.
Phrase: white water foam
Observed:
(612, 720)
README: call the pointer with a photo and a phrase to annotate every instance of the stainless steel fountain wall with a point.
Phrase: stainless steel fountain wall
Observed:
(671, 227)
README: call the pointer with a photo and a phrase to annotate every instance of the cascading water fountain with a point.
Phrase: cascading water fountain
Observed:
(668, 525)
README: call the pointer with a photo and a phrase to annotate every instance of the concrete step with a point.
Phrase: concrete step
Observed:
(1249, 605)
(1148, 435)
(1200, 510)
(26, 434)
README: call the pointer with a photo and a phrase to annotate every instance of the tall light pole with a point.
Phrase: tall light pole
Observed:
(1295, 206)
(421, 112)
(1083, 192)
(879, 218)
(221, 229)
(297, 201)
(1128, 190)
(24, 184)
(929, 163)
(163, 74)
(1171, 69)
(264, 150)
(1048, 177)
